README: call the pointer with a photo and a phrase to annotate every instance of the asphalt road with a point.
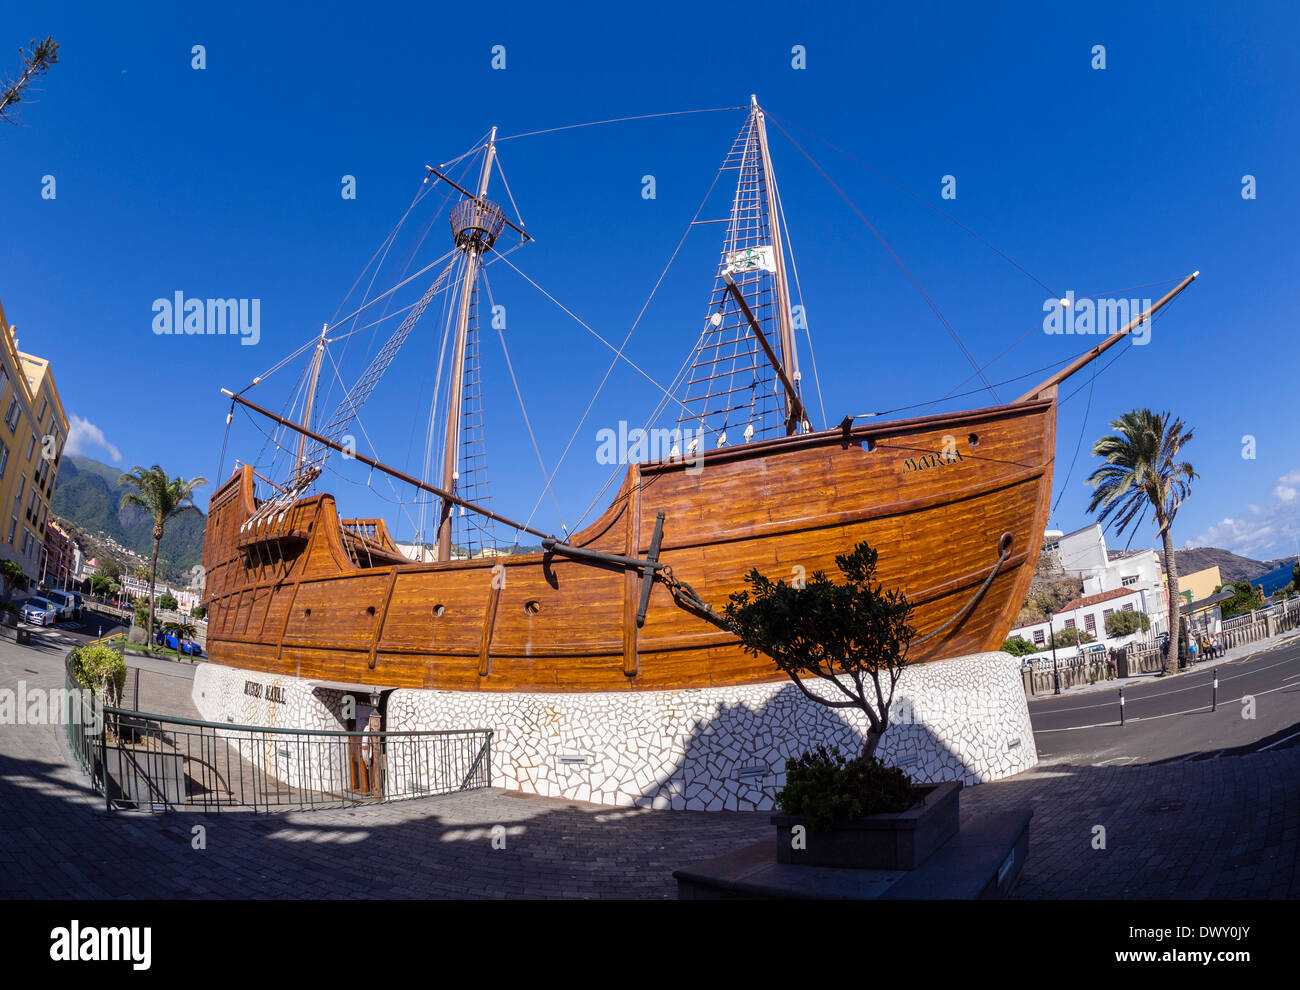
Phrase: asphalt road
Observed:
(1170, 719)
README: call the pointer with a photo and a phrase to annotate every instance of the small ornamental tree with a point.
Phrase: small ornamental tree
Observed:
(849, 640)
(167, 602)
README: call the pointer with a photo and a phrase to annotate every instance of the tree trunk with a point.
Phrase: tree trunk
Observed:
(153, 581)
(1175, 626)
(869, 748)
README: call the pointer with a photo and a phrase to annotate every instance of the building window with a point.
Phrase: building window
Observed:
(45, 404)
(1039, 638)
(11, 417)
(4, 459)
(1128, 607)
(1069, 623)
(1129, 581)
(13, 529)
(1106, 612)
(1090, 623)
(31, 448)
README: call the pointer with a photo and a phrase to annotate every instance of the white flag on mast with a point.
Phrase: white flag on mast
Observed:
(761, 258)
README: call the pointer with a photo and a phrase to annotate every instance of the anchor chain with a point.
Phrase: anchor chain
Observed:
(688, 598)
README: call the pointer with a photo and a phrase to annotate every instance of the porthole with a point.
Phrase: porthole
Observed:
(973, 439)
(370, 610)
(307, 613)
(532, 606)
(437, 611)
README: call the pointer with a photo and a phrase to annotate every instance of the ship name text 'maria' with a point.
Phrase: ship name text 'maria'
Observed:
(927, 461)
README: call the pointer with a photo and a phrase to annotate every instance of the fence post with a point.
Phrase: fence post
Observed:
(1121, 706)
(103, 756)
(1214, 707)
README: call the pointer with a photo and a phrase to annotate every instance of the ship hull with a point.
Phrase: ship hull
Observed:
(940, 497)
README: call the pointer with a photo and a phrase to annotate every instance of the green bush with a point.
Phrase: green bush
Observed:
(1018, 646)
(101, 669)
(167, 602)
(1124, 623)
(1069, 636)
(12, 576)
(198, 611)
(826, 788)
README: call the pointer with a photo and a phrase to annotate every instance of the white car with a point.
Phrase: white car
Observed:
(40, 612)
(66, 602)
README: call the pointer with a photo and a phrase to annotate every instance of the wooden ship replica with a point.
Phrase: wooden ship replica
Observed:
(955, 503)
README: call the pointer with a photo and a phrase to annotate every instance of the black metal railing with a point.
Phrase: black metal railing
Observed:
(156, 762)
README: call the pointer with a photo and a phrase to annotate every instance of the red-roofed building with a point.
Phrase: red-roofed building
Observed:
(1088, 614)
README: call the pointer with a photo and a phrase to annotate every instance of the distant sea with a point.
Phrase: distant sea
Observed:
(1274, 579)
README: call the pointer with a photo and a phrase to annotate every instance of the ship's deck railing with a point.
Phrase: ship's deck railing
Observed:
(151, 762)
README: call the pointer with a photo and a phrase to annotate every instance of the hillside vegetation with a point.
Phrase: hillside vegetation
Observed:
(87, 495)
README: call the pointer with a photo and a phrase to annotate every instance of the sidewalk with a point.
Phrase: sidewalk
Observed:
(1235, 654)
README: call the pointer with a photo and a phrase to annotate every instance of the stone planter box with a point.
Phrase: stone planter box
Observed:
(898, 841)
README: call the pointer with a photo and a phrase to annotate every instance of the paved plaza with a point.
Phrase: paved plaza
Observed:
(1227, 828)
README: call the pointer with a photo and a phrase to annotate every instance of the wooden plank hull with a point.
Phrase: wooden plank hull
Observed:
(937, 496)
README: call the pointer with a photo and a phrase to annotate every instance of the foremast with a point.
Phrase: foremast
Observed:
(785, 320)
(744, 384)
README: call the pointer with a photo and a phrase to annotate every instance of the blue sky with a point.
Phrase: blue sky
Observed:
(226, 182)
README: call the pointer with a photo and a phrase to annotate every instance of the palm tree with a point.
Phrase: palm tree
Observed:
(160, 499)
(1142, 474)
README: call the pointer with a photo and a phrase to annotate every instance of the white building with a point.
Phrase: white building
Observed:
(1083, 554)
(1089, 614)
(186, 598)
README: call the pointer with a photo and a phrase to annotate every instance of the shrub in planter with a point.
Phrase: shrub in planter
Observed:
(827, 788)
(101, 669)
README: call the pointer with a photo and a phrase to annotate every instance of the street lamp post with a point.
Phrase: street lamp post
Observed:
(1051, 636)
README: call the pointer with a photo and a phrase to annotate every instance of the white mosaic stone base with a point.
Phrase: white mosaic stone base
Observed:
(220, 695)
(706, 749)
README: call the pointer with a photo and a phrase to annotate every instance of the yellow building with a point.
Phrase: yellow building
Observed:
(32, 436)
(1199, 584)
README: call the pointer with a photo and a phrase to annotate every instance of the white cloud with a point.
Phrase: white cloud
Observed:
(1263, 531)
(82, 433)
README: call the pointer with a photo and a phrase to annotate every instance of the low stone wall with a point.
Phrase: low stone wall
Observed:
(964, 719)
(720, 749)
(1071, 673)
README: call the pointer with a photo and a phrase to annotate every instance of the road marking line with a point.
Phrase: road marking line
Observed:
(1162, 694)
(1148, 718)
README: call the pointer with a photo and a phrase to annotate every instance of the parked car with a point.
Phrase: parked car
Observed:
(39, 611)
(184, 646)
(68, 603)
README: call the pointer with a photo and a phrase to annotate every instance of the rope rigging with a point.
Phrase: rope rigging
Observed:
(725, 346)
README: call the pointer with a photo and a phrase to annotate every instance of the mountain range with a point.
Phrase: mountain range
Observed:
(89, 497)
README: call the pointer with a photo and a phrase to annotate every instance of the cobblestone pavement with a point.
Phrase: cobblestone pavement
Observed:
(1222, 828)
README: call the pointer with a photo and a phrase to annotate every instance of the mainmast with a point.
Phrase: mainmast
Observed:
(789, 355)
(475, 224)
